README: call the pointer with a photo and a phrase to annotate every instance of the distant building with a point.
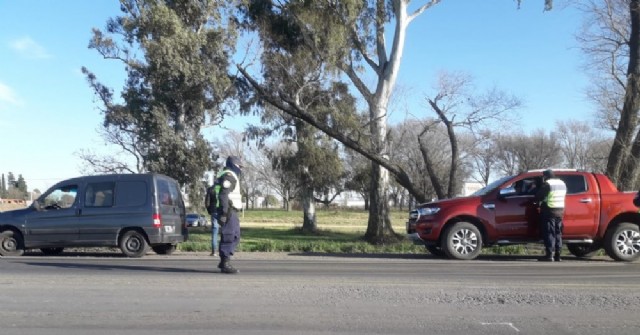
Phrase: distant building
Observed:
(469, 187)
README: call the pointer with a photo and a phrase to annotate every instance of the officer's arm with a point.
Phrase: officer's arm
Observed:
(542, 193)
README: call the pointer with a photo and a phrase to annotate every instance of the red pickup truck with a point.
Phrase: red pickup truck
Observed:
(597, 216)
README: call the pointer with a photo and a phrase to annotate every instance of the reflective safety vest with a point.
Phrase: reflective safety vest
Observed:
(234, 196)
(557, 193)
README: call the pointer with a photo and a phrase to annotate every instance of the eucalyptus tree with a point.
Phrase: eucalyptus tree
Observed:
(176, 56)
(344, 37)
(611, 41)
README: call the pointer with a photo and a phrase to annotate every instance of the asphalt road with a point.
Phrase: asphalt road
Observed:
(316, 294)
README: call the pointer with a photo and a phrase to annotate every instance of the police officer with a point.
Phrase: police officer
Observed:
(229, 202)
(550, 198)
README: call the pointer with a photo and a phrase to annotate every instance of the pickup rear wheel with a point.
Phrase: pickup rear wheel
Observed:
(622, 242)
(462, 241)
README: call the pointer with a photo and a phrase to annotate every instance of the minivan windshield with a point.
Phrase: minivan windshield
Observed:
(490, 187)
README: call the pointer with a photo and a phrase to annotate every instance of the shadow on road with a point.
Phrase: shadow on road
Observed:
(494, 258)
(110, 267)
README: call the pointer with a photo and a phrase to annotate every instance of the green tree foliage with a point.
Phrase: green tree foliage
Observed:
(3, 187)
(21, 184)
(179, 83)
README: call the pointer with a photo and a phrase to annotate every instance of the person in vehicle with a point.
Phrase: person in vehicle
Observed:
(550, 197)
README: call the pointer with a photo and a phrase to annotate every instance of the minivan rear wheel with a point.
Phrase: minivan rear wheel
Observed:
(11, 243)
(133, 244)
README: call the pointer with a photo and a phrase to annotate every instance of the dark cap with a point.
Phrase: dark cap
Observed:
(548, 174)
(234, 161)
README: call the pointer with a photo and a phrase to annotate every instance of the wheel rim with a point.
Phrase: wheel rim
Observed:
(9, 244)
(134, 244)
(628, 242)
(465, 241)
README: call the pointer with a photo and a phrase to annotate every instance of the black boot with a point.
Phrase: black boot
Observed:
(225, 266)
(548, 257)
(557, 257)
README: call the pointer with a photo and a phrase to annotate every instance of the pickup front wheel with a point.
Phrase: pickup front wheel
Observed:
(622, 242)
(462, 240)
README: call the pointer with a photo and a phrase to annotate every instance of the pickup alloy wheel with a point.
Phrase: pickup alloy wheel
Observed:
(462, 240)
(622, 243)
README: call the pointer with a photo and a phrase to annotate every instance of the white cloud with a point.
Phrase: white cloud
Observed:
(30, 48)
(8, 96)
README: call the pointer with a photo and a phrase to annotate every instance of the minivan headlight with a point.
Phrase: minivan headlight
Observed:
(426, 211)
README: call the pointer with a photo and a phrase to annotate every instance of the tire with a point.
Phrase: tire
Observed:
(164, 249)
(436, 251)
(52, 251)
(622, 242)
(583, 250)
(462, 241)
(11, 243)
(133, 244)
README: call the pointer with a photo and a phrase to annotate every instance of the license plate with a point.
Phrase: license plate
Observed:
(169, 229)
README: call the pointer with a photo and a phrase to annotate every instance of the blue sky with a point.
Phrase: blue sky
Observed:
(48, 112)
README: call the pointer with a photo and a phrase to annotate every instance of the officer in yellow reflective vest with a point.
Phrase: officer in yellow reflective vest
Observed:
(228, 203)
(551, 198)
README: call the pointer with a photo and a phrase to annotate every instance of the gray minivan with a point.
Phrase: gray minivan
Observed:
(129, 211)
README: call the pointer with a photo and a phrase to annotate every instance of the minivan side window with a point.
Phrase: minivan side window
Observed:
(61, 197)
(99, 194)
(131, 193)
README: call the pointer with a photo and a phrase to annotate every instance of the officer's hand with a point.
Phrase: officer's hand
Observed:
(222, 220)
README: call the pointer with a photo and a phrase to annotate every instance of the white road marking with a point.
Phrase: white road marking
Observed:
(501, 324)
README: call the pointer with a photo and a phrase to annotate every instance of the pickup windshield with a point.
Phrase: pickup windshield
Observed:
(491, 186)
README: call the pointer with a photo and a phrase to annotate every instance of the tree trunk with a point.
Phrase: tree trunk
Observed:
(622, 164)
(309, 211)
(379, 230)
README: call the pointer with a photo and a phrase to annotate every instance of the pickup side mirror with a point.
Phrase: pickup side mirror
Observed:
(505, 192)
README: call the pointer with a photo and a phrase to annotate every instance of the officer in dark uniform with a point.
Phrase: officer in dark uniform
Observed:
(229, 202)
(550, 197)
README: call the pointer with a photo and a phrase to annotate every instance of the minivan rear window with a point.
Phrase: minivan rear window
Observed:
(168, 193)
(131, 193)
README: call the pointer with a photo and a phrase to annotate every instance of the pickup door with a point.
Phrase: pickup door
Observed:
(516, 216)
(582, 206)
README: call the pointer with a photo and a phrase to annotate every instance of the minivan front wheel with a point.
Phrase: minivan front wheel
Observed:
(11, 243)
(133, 244)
